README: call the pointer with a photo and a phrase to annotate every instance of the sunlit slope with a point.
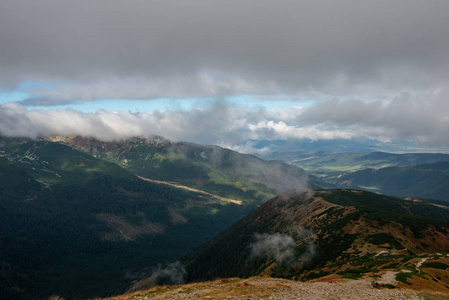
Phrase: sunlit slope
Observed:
(311, 234)
(80, 227)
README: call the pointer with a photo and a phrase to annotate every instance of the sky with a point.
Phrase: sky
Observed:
(226, 72)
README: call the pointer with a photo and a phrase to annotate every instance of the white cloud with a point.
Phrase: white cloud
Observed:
(279, 246)
(280, 130)
(247, 147)
(413, 117)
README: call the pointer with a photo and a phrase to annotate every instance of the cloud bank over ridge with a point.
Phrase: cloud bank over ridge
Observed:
(403, 118)
(371, 69)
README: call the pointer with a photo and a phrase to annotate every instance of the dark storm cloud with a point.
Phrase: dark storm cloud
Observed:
(107, 49)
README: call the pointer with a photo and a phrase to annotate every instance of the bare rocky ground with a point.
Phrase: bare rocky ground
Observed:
(280, 289)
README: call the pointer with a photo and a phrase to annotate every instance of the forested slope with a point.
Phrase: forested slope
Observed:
(80, 227)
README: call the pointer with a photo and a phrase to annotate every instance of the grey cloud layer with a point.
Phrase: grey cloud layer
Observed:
(386, 63)
(147, 49)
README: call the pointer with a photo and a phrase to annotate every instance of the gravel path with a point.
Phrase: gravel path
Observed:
(419, 264)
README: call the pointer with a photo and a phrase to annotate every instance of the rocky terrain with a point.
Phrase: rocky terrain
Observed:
(331, 287)
(305, 235)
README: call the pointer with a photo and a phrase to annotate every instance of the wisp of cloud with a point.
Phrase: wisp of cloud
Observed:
(279, 246)
(174, 273)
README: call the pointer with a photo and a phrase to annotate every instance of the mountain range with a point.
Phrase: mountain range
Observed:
(331, 164)
(211, 168)
(422, 175)
(84, 218)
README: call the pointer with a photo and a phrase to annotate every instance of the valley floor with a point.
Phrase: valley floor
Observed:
(271, 288)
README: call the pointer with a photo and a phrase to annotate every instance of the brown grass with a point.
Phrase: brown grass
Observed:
(261, 287)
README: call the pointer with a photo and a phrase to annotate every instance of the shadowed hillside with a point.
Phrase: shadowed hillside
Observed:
(80, 227)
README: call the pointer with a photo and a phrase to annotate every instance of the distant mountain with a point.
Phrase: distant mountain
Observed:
(331, 164)
(210, 168)
(275, 147)
(429, 181)
(422, 175)
(310, 234)
(82, 227)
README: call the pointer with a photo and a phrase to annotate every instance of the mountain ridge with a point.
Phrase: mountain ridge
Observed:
(303, 235)
(430, 180)
(211, 168)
